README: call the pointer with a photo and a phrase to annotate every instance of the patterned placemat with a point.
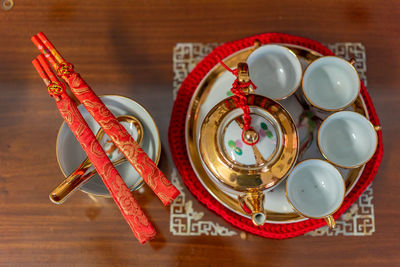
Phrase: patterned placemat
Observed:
(358, 220)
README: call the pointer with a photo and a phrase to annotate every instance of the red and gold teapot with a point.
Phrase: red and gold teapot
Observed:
(249, 143)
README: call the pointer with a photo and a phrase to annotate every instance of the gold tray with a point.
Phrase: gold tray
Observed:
(201, 99)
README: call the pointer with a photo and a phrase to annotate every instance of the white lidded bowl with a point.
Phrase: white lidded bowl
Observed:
(70, 154)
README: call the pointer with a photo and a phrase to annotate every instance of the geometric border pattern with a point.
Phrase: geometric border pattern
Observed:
(358, 220)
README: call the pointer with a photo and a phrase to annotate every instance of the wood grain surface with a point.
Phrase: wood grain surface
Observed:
(125, 47)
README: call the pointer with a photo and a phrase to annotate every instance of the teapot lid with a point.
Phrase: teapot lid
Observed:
(258, 158)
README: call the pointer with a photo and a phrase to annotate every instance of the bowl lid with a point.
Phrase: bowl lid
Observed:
(227, 155)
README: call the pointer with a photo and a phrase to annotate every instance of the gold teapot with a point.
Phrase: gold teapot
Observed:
(251, 160)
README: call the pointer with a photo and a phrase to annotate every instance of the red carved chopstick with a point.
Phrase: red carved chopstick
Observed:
(147, 169)
(130, 209)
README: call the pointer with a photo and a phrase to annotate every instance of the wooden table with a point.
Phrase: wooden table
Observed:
(125, 47)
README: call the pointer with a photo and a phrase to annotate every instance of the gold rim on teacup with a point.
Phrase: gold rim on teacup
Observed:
(140, 183)
(376, 129)
(257, 46)
(330, 221)
(350, 64)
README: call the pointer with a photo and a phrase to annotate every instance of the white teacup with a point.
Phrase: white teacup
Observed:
(347, 139)
(275, 70)
(315, 189)
(331, 83)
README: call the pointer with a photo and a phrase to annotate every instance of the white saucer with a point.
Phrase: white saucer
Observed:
(70, 154)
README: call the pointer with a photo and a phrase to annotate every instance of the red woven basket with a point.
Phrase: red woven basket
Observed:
(176, 136)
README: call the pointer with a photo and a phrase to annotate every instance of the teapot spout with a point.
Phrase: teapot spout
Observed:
(253, 203)
(258, 218)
